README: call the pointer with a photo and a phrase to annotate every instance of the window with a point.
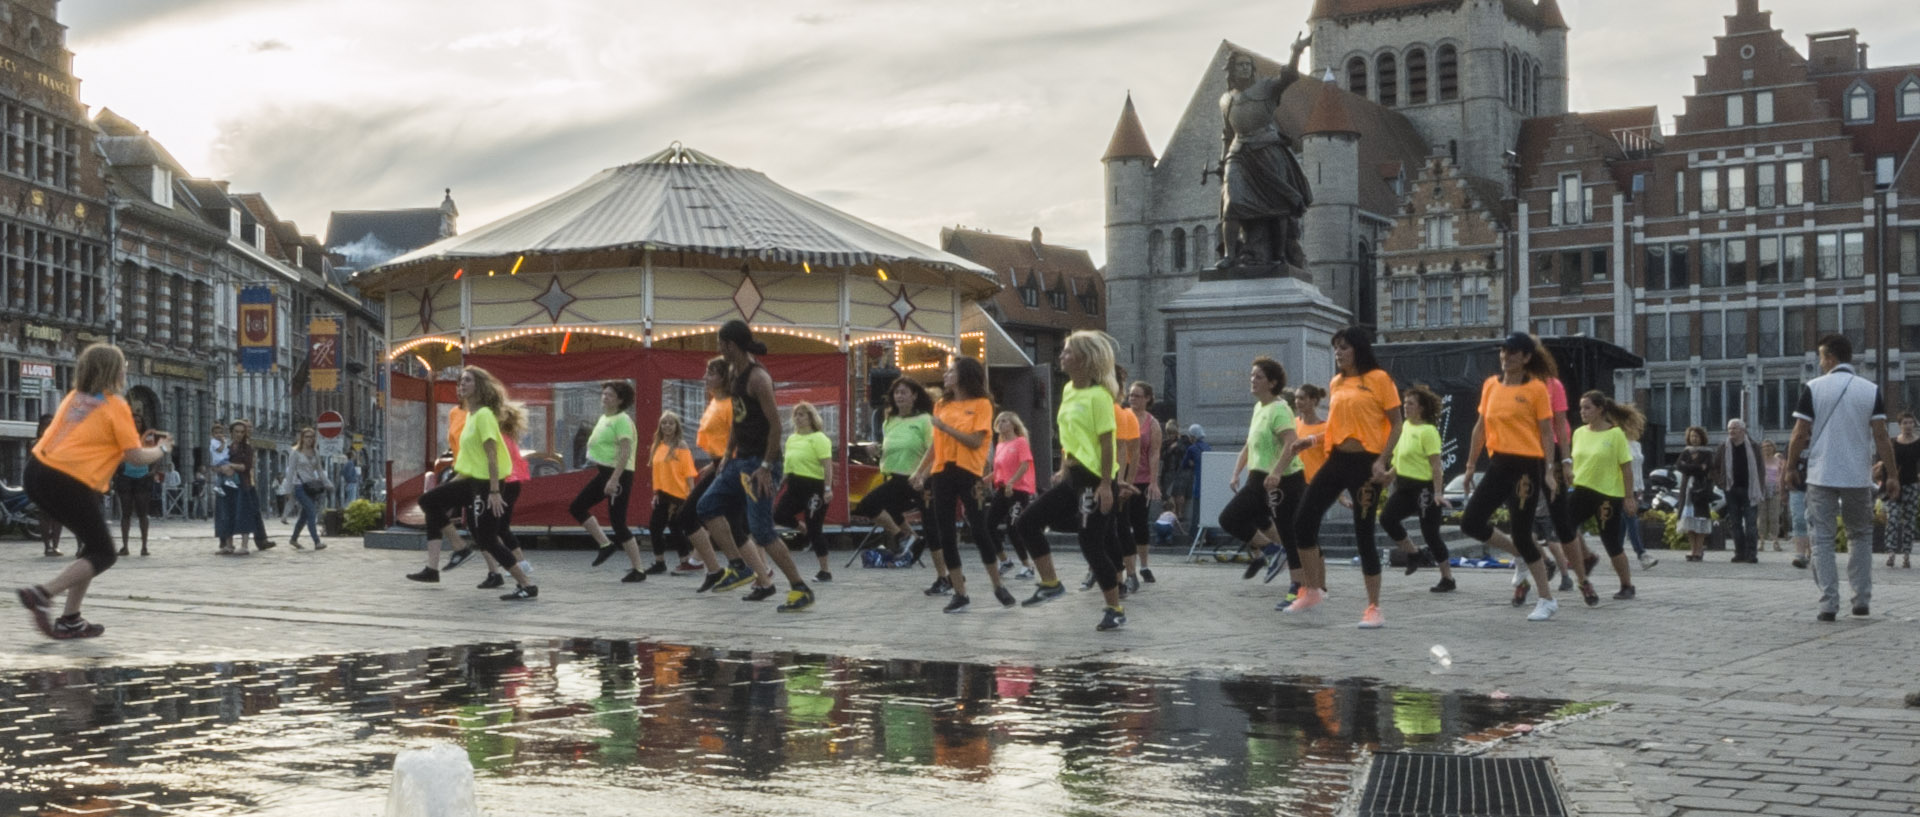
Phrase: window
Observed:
(1910, 328)
(1057, 296)
(1389, 71)
(1910, 98)
(1439, 300)
(1859, 103)
(1569, 204)
(1357, 76)
(1473, 301)
(1417, 76)
(1910, 256)
(1736, 320)
(1713, 406)
(1713, 266)
(1793, 258)
(1029, 294)
(1796, 191)
(1710, 348)
(1826, 321)
(38, 147)
(1793, 332)
(1827, 257)
(1597, 268)
(1179, 246)
(1680, 336)
(1883, 172)
(1768, 269)
(1769, 338)
(1736, 188)
(1659, 404)
(1405, 302)
(1657, 338)
(1853, 257)
(1763, 108)
(1654, 267)
(1447, 64)
(1709, 190)
(1764, 186)
(1439, 232)
(1679, 192)
(1736, 259)
(1826, 179)
(1090, 301)
(1736, 111)
(1570, 278)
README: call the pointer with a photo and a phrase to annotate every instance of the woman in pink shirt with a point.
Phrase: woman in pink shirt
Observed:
(1013, 488)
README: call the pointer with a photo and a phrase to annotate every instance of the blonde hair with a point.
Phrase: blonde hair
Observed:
(806, 409)
(1093, 349)
(489, 393)
(100, 369)
(660, 436)
(300, 440)
(1019, 427)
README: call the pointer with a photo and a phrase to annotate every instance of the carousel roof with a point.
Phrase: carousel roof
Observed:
(685, 200)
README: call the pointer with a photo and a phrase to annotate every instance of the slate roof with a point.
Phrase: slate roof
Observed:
(1129, 138)
(1016, 261)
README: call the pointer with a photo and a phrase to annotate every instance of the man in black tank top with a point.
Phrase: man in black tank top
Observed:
(751, 470)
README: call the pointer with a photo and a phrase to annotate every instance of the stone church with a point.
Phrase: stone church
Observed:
(1392, 85)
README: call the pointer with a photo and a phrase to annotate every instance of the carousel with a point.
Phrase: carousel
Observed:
(629, 276)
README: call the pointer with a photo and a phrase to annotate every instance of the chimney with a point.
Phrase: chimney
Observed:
(1036, 242)
(1747, 7)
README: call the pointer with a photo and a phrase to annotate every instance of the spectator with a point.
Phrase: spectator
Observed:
(1901, 510)
(1176, 484)
(1739, 471)
(349, 483)
(1696, 491)
(1771, 509)
(1840, 423)
(1197, 447)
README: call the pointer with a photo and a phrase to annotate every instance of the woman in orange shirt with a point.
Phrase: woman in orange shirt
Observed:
(1307, 422)
(715, 426)
(673, 478)
(92, 434)
(1363, 425)
(962, 427)
(1516, 428)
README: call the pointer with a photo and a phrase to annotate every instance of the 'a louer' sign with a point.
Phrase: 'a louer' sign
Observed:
(36, 370)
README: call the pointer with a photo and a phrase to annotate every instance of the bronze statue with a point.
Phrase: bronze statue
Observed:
(1263, 192)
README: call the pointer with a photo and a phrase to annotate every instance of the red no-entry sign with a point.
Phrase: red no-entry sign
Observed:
(329, 424)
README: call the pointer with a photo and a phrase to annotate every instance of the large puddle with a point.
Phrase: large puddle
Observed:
(591, 727)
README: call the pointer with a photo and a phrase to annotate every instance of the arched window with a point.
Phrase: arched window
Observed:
(1202, 251)
(1513, 80)
(1389, 72)
(1417, 76)
(1533, 81)
(1155, 242)
(1860, 103)
(1357, 76)
(1447, 64)
(1526, 87)
(1179, 250)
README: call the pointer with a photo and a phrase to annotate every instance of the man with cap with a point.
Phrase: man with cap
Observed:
(750, 471)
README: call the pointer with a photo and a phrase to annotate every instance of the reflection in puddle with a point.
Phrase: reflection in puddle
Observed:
(602, 727)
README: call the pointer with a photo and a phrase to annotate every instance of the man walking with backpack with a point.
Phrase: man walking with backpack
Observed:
(1840, 424)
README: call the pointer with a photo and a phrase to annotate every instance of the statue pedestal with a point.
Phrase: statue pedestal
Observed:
(1229, 318)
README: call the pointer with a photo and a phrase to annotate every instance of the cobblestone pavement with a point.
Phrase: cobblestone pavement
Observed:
(1733, 699)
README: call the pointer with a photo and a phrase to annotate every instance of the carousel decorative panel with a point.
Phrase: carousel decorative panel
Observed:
(548, 300)
(896, 306)
(430, 310)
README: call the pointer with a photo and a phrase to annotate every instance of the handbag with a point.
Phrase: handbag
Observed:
(314, 487)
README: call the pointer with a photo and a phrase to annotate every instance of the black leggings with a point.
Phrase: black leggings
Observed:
(956, 484)
(462, 493)
(1414, 497)
(1250, 509)
(1512, 481)
(895, 496)
(804, 497)
(1560, 514)
(1130, 524)
(596, 490)
(1070, 506)
(664, 526)
(64, 500)
(1349, 472)
(1609, 512)
(1006, 510)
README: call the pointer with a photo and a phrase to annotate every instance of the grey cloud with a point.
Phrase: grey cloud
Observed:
(268, 45)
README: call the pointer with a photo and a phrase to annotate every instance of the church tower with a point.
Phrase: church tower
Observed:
(1129, 163)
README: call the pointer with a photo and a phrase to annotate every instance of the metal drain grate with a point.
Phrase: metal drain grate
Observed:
(1417, 785)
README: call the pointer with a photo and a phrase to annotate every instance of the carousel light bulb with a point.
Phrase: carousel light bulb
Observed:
(883, 273)
(516, 265)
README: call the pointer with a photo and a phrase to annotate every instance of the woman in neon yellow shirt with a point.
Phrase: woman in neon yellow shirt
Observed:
(480, 468)
(1603, 482)
(809, 483)
(1419, 484)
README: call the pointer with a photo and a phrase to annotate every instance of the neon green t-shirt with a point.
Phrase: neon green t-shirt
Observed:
(1083, 416)
(1597, 457)
(1418, 442)
(472, 461)
(807, 455)
(603, 446)
(1263, 436)
(903, 441)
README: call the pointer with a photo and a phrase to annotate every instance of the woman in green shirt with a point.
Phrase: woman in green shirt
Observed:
(479, 470)
(1255, 515)
(611, 449)
(809, 483)
(1419, 485)
(1603, 482)
(905, 436)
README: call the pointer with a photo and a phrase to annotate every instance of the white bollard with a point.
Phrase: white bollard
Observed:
(432, 782)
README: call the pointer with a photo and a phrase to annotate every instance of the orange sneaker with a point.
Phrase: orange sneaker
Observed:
(1372, 619)
(1309, 598)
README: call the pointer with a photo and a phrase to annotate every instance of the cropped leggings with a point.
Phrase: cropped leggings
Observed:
(664, 525)
(1607, 512)
(1344, 472)
(596, 490)
(803, 507)
(1512, 481)
(441, 503)
(956, 484)
(1414, 497)
(1070, 505)
(1130, 524)
(75, 506)
(1006, 510)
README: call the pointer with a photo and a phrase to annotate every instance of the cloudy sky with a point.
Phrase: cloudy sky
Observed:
(911, 113)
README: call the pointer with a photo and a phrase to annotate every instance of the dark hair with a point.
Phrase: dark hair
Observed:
(1905, 415)
(1428, 402)
(1539, 365)
(1690, 432)
(622, 391)
(1272, 371)
(1143, 386)
(969, 379)
(922, 401)
(1360, 340)
(1624, 415)
(1837, 345)
(1311, 392)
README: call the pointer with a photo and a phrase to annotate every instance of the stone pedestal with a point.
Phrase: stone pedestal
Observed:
(1223, 322)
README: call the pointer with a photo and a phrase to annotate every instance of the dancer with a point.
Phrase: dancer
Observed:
(1419, 485)
(673, 479)
(904, 438)
(1603, 484)
(305, 482)
(1565, 536)
(91, 435)
(242, 515)
(809, 484)
(1146, 485)
(478, 471)
(512, 425)
(1900, 510)
(1013, 489)
(133, 486)
(1516, 430)
(1252, 516)
(1081, 496)
(611, 450)
(711, 437)
(752, 467)
(952, 468)
(1308, 422)
(1770, 508)
(1126, 433)
(1695, 465)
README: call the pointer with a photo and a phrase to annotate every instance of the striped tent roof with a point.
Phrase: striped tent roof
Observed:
(682, 199)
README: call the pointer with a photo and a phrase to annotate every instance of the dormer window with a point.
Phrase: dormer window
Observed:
(1859, 103)
(1910, 99)
(233, 221)
(1029, 294)
(162, 192)
(1057, 297)
(1090, 301)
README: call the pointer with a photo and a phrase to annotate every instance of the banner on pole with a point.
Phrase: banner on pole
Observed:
(257, 330)
(323, 354)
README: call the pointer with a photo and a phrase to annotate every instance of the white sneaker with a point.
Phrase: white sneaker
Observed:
(1024, 573)
(1648, 560)
(1543, 610)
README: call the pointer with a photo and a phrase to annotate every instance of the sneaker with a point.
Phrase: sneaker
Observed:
(1566, 583)
(1413, 562)
(1520, 592)
(1543, 610)
(1273, 569)
(1147, 575)
(123, 552)
(522, 593)
(1027, 573)
(1445, 585)
(735, 579)
(1133, 584)
(268, 544)
(426, 574)
(957, 604)
(633, 577)
(1293, 595)
(1860, 611)
(1800, 561)
(38, 605)
(1589, 595)
(1044, 593)
(657, 569)
(711, 580)
(454, 559)
(492, 581)
(1826, 615)
(74, 626)
(759, 593)
(688, 566)
(823, 576)
(1113, 618)
(1309, 598)
(1004, 596)
(1648, 560)
(1372, 619)
(1625, 594)
(798, 599)
(1087, 583)
(940, 587)
(317, 545)
(602, 557)
(1260, 562)
(1008, 566)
